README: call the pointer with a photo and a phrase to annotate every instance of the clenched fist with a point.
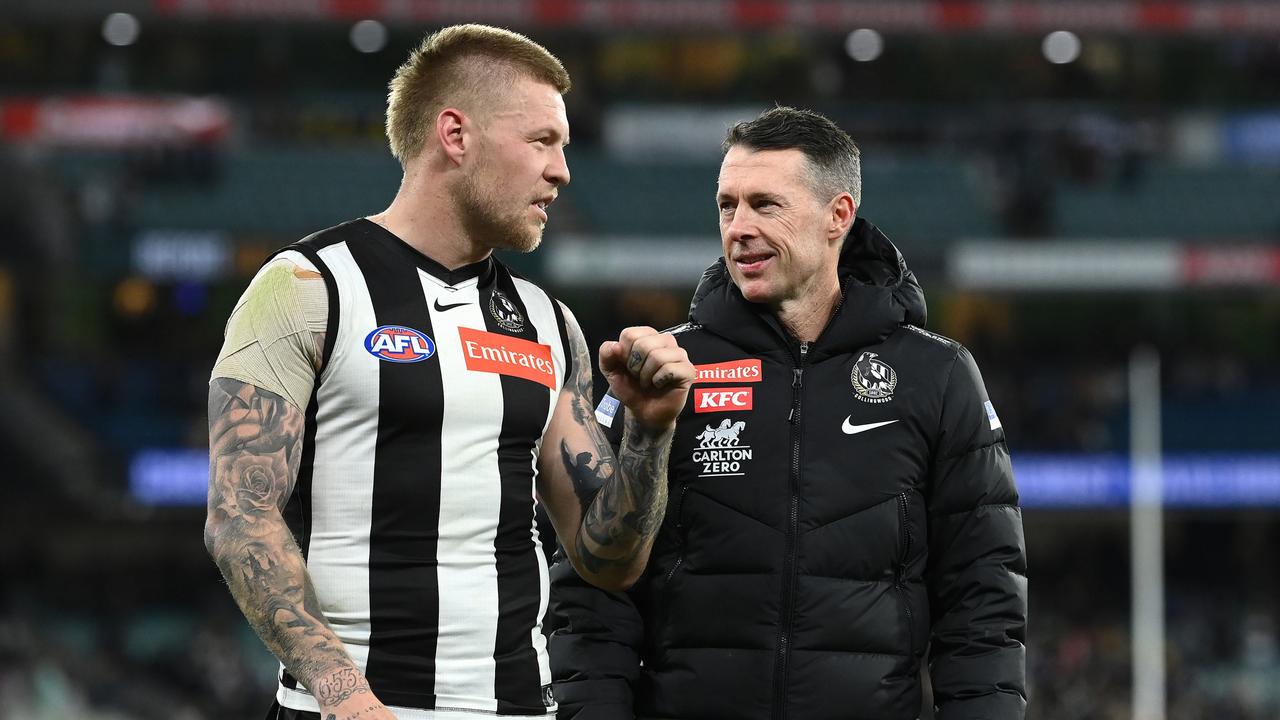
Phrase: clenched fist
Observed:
(649, 373)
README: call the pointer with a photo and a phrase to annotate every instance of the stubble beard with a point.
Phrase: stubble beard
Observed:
(487, 223)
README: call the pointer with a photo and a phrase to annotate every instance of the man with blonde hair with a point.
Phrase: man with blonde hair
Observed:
(379, 407)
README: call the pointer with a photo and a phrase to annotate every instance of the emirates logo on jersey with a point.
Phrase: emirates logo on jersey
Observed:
(506, 355)
(735, 371)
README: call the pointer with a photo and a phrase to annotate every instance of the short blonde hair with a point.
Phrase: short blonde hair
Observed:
(454, 67)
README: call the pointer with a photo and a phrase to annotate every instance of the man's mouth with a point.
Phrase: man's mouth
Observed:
(541, 205)
(752, 263)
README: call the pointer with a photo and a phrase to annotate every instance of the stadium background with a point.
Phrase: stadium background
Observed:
(1064, 198)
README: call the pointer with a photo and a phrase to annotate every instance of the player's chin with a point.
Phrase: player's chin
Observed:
(525, 241)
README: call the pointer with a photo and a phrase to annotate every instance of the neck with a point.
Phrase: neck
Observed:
(425, 215)
(807, 315)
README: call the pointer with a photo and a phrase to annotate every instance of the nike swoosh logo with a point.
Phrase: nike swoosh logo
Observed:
(442, 308)
(850, 429)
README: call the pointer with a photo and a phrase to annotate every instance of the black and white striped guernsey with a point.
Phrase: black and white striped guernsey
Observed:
(414, 505)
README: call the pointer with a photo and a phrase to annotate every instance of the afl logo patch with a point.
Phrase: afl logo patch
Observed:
(399, 344)
(505, 312)
(873, 380)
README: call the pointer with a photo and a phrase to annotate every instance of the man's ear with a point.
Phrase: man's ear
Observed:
(842, 214)
(453, 130)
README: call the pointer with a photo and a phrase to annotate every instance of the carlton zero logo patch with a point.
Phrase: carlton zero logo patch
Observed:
(735, 371)
(873, 380)
(505, 355)
(399, 344)
(721, 399)
(720, 450)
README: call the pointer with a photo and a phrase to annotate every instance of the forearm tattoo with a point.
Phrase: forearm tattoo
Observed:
(255, 441)
(622, 497)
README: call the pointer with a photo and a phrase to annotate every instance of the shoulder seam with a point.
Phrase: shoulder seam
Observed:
(940, 339)
(335, 304)
(332, 237)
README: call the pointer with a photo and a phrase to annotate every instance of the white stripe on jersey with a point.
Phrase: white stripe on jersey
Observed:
(542, 315)
(469, 478)
(342, 482)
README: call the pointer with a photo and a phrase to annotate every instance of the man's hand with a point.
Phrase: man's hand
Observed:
(649, 373)
(607, 506)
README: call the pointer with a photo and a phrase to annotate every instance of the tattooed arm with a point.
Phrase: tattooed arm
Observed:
(607, 507)
(255, 440)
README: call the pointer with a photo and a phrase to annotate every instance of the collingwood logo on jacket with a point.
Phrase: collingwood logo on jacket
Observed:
(873, 380)
(720, 450)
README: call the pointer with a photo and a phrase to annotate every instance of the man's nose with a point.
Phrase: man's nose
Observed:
(558, 170)
(741, 226)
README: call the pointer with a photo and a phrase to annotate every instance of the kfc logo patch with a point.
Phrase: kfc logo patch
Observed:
(735, 371)
(506, 355)
(721, 399)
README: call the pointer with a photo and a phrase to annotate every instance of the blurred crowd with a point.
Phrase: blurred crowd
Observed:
(110, 609)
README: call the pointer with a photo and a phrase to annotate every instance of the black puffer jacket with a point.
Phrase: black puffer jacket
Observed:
(835, 509)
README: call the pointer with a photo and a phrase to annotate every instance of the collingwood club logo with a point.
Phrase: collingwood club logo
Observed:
(873, 380)
(504, 311)
(720, 450)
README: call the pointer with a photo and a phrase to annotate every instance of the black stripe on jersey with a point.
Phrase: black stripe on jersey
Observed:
(517, 682)
(310, 247)
(331, 322)
(297, 512)
(403, 585)
(564, 341)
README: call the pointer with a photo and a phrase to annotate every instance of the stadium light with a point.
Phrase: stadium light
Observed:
(1061, 47)
(864, 44)
(121, 29)
(368, 36)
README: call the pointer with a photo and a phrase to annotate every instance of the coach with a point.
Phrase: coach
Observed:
(841, 501)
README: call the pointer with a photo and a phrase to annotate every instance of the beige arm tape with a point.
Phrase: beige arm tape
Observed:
(276, 331)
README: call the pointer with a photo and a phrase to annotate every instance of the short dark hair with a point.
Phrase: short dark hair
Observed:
(834, 160)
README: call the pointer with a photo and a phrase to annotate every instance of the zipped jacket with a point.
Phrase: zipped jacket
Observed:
(838, 510)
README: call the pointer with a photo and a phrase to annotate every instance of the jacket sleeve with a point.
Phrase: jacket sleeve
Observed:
(977, 564)
(594, 644)
(594, 636)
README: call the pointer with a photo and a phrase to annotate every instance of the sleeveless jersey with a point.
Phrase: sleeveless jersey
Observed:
(414, 505)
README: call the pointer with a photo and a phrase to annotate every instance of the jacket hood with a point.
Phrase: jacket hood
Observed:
(879, 294)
